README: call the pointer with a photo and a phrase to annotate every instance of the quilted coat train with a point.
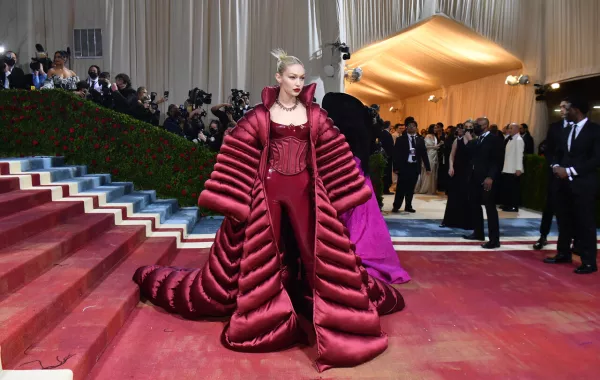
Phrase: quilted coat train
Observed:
(248, 277)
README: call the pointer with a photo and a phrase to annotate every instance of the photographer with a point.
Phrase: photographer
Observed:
(39, 75)
(225, 116)
(214, 137)
(124, 96)
(93, 79)
(11, 77)
(145, 109)
(174, 120)
(103, 96)
(193, 125)
(83, 90)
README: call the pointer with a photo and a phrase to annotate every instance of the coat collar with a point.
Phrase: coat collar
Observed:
(270, 93)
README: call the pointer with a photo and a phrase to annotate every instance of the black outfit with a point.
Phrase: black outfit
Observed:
(443, 164)
(125, 100)
(408, 173)
(192, 127)
(214, 140)
(575, 199)
(387, 143)
(222, 116)
(511, 191)
(458, 210)
(553, 139)
(144, 114)
(16, 79)
(528, 140)
(486, 154)
(171, 124)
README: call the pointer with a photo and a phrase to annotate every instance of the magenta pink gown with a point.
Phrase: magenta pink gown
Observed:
(374, 246)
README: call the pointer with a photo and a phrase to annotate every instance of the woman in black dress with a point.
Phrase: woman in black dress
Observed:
(457, 213)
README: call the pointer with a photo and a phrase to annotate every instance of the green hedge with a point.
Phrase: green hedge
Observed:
(377, 167)
(56, 123)
(534, 185)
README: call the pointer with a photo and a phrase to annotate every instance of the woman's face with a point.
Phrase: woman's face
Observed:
(142, 94)
(59, 59)
(292, 80)
(120, 83)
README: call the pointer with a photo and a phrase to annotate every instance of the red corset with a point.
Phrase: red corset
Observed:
(288, 148)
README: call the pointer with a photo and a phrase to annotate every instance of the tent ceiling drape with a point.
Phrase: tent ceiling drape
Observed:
(220, 44)
(215, 45)
(436, 53)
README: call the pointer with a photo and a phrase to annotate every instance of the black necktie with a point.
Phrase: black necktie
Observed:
(412, 140)
(573, 134)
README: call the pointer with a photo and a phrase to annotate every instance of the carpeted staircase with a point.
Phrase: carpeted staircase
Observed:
(69, 245)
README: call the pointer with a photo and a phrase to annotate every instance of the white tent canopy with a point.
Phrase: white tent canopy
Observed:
(436, 53)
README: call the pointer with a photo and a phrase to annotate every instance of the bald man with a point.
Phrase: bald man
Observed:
(513, 168)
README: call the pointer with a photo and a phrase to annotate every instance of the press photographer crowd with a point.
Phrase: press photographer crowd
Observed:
(184, 120)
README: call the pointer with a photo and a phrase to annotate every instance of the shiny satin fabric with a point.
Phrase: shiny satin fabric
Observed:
(369, 232)
(246, 274)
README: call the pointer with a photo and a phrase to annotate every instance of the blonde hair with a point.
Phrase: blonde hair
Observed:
(284, 60)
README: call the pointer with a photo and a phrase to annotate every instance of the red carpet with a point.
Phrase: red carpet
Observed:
(470, 315)
(66, 296)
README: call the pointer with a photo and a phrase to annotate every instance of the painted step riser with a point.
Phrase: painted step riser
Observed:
(115, 298)
(21, 203)
(105, 179)
(51, 254)
(64, 173)
(20, 232)
(36, 163)
(139, 201)
(83, 365)
(8, 184)
(17, 340)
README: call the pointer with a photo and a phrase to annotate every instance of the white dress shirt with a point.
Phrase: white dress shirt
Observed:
(6, 75)
(411, 157)
(94, 84)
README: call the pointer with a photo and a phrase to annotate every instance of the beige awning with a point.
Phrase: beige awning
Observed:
(435, 53)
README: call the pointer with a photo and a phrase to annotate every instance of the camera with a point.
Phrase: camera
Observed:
(239, 100)
(198, 97)
(153, 101)
(40, 60)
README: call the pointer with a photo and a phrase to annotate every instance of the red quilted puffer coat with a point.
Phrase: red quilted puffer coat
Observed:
(245, 277)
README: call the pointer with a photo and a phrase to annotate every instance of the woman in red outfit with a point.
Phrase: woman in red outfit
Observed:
(282, 177)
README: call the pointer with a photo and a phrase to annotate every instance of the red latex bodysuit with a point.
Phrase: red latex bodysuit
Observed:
(287, 188)
(262, 273)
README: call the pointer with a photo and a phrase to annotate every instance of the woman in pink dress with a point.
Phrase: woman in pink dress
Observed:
(366, 226)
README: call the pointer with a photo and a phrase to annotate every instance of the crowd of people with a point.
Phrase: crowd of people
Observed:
(120, 95)
(474, 163)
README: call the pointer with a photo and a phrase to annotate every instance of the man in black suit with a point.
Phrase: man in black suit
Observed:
(11, 76)
(387, 143)
(575, 165)
(409, 152)
(552, 142)
(487, 157)
(526, 136)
